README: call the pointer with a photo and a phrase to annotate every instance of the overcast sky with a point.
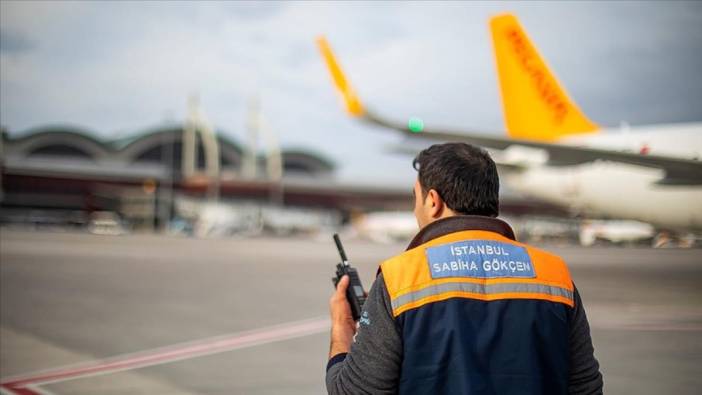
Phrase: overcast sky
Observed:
(118, 68)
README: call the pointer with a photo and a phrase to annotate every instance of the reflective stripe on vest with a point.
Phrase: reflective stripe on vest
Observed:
(409, 281)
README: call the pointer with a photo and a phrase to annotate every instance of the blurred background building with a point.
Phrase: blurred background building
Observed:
(62, 175)
(66, 176)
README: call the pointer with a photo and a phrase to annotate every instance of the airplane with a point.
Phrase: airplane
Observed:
(555, 153)
(385, 226)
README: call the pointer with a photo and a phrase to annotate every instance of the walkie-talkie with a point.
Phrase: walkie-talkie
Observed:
(354, 293)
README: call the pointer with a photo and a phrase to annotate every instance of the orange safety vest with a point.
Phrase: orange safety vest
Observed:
(480, 313)
(410, 284)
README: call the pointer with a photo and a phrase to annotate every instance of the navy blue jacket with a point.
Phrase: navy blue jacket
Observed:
(469, 332)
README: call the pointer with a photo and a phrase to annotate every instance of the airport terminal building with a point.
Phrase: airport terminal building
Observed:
(63, 174)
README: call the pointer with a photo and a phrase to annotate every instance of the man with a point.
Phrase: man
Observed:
(465, 309)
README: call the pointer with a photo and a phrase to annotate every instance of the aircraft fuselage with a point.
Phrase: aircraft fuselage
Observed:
(618, 190)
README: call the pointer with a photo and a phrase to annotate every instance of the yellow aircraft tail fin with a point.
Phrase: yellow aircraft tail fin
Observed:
(534, 104)
(353, 104)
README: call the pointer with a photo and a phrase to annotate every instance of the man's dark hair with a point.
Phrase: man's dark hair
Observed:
(464, 176)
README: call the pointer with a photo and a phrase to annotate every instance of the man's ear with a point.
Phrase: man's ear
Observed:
(435, 204)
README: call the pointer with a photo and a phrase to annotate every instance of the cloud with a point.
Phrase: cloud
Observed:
(121, 67)
(249, 10)
(12, 42)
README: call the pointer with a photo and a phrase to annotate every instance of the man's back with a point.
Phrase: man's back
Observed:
(453, 321)
(480, 313)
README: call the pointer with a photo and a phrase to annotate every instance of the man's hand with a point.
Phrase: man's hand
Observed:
(343, 327)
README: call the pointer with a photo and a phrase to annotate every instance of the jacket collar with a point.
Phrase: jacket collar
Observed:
(459, 223)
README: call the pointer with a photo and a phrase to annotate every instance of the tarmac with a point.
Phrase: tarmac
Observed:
(150, 314)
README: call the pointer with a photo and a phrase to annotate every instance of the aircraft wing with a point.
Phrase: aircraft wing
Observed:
(678, 171)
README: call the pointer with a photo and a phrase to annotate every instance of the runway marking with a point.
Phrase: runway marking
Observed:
(38, 390)
(29, 384)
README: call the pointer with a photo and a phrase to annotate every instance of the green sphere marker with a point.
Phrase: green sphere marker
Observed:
(415, 125)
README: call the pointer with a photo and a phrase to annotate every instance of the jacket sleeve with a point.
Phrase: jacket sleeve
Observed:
(373, 364)
(585, 376)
